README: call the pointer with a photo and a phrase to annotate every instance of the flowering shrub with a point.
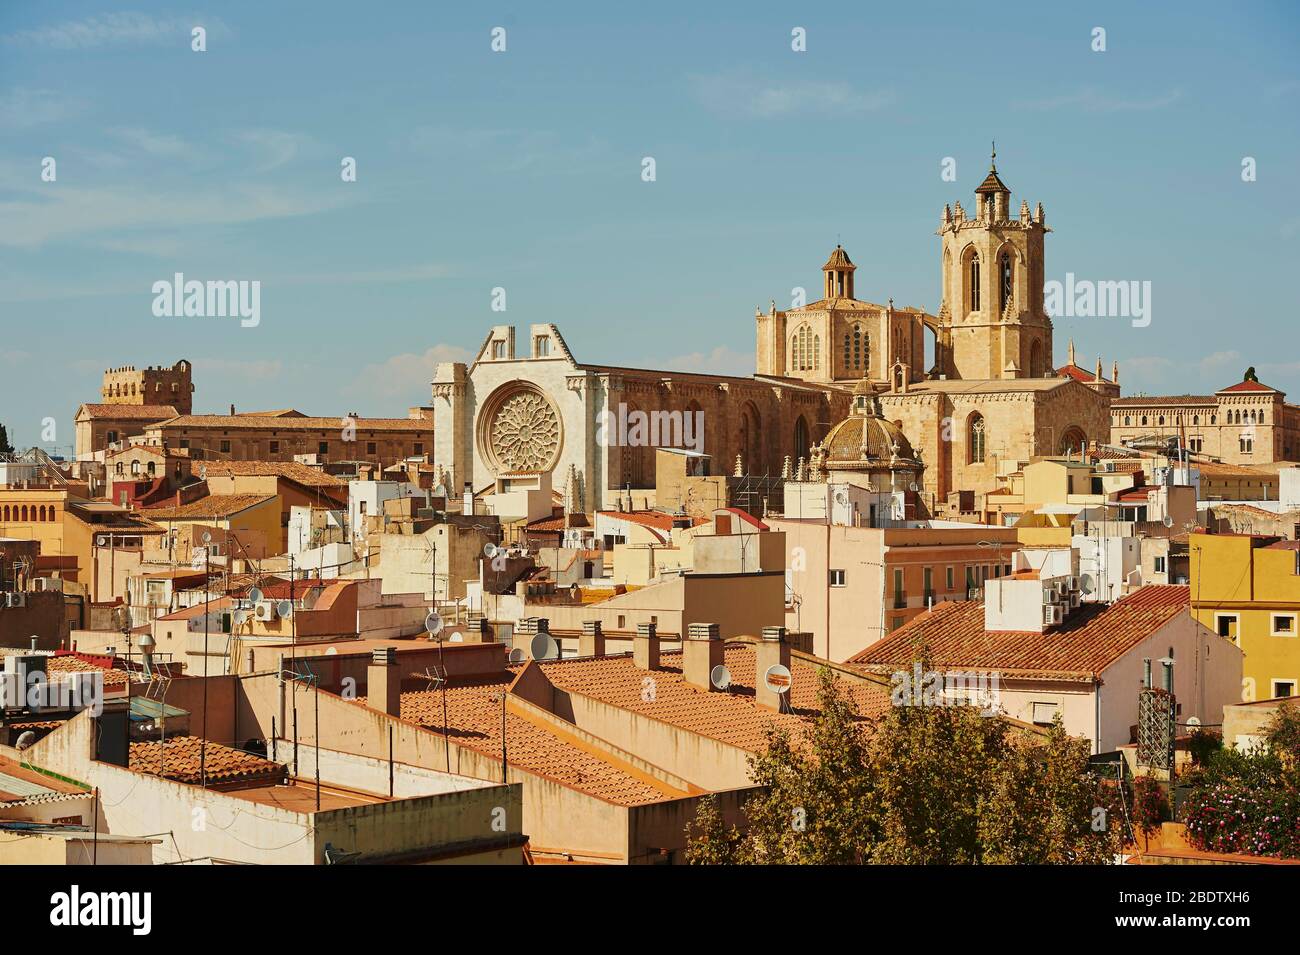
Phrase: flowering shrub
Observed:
(1233, 816)
(1150, 806)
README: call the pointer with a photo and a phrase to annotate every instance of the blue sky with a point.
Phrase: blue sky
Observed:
(522, 170)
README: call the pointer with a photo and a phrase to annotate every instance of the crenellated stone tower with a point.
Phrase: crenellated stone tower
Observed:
(992, 323)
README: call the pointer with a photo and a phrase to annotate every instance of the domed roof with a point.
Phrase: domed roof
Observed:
(845, 441)
(839, 261)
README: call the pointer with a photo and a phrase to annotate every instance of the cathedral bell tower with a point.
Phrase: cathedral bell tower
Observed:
(992, 321)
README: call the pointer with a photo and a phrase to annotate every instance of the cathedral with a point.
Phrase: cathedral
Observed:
(990, 400)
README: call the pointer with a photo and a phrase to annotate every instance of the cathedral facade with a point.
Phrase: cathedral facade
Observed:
(991, 398)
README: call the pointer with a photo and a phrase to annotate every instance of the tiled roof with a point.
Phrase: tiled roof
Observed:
(1143, 401)
(1224, 469)
(179, 757)
(212, 506)
(292, 470)
(656, 520)
(149, 412)
(1080, 374)
(1246, 386)
(475, 722)
(68, 663)
(304, 423)
(732, 717)
(1092, 637)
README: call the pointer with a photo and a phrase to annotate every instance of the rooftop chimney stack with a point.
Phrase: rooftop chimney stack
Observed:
(702, 651)
(772, 650)
(645, 647)
(384, 682)
(592, 641)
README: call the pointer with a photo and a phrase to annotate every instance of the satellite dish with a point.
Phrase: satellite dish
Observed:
(458, 637)
(544, 647)
(720, 677)
(1193, 721)
(841, 496)
(284, 608)
(255, 595)
(1168, 521)
(433, 623)
(1086, 583)
(207, 538)
(778, 679)
(913, 487)
(332, 652)
(489, 550)
(120, 617)
(240, 618)
(516, 655)
(101, 542)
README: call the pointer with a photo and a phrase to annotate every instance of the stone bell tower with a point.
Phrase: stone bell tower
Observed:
(992, 323)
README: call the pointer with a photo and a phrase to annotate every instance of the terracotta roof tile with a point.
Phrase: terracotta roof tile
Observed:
(212, 506)
(179, 757)
(292, 470)
(290, 423)
(150, 412)
(1091, 638)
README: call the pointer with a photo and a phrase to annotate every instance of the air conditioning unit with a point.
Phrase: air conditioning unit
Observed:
(1076, 598)
(16, 599)
(49, 584)
(265, 610)
(1073, 583)
(1052, 614)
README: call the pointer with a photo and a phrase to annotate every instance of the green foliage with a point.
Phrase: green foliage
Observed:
(5, 446)
(1150, 804)
(1203, 744)
(921, 785)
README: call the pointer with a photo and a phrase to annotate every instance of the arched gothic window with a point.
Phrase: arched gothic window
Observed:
(977, 440)
(1004, 270)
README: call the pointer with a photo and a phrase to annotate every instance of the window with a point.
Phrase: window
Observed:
(1004, 267)
(541, 346)
(1225, 624)
(1196, 445)
(1159, 565)
(111, 437)
(323, 448)
(1246, 444)
(275, 447)
(974, 286)
(419, 448)
(1283, 688)
(498, 349)
(225, 446)
(976, 440)
(622, 622)
(949, 578)
(1044, 713)
(1284, 625)
(805, 350)
(896, 623)
(370, 445)
(837, 578)
(185, 442)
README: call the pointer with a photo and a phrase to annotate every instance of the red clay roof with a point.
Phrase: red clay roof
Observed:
(146, 412)
(1078, 374)
(212, 506)
(178, 758)
(1246, 386)
(1090, 640)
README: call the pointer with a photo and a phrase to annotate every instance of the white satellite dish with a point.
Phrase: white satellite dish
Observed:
(255, 595)
(1193, 721)
(778, 679)
(284, 608)
(332, 652)
(489, 550)
(1168, 521)
(841, 496)
(544, 647)
(207, 538)
(1086, 583)
(101, 542)
(458, 637)
(433, 623)
(516, 655)
(720, 677)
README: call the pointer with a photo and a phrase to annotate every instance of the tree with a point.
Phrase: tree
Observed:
(923, 784)
(5, 446)
(1047, 807)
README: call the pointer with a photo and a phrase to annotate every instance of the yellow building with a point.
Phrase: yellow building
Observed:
(1247, 588)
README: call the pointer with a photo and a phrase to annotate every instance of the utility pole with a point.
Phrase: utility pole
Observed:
(207, 602)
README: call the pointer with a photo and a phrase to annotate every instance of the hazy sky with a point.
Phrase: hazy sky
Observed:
(522, 170)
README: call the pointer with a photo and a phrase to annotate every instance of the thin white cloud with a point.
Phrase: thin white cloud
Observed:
(116, 29)
(22, 107)
(406, 376)
(759, 97)
(159, 145)
(273, 147)
(722, 360)
(223, 369)
(1092, 100)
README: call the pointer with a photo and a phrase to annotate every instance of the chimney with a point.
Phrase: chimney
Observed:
(384, 682)
(702, 651)
(592, 641)
(772, 650)
(645, 647)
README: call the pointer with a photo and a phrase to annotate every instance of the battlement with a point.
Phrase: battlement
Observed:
(153, 385)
